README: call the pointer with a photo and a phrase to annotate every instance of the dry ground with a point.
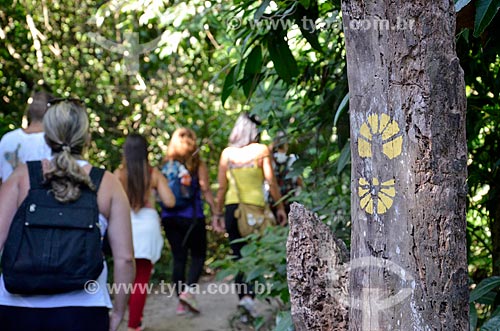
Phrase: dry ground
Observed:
(218, 313)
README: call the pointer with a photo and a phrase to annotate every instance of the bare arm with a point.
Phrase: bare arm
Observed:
(204, 182)
(114, 204)
(12, 193)
(267, 167)
(164, 191)
(218, 216)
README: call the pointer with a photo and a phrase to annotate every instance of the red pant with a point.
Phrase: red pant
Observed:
(139, 293)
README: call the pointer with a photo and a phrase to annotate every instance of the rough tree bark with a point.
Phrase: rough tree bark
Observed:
(317, 274)
(409, 157)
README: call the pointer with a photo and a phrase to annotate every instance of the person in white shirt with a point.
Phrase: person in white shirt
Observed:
(22, 145)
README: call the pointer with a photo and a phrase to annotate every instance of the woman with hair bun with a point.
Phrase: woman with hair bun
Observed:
(66, 129)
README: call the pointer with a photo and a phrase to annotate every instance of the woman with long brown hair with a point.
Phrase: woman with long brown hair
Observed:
(141, 181)
(185, 224)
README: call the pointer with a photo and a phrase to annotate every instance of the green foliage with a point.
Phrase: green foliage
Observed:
(481, 65)
(284, 321)
(485, 12)
(263, 262)
(485, 298)
(284, 61)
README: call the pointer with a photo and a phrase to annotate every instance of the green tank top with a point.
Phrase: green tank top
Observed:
(250, 186)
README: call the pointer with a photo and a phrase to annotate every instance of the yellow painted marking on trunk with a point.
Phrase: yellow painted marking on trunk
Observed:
(383, 126)
(375, 195)
(390, 130)
(393, 148)
(365, 131)
(362, 191)
(373, 123)
(385, 200)
(390, 182)
(364, 148)
(384, 120)
(369, 207)
(389, 191)
(363, 181)
(379, 129)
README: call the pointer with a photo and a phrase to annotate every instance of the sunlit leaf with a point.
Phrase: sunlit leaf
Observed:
(485, 12)
(484, 287)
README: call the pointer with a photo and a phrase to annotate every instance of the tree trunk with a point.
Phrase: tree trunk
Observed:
(409, 158)
(317, 274)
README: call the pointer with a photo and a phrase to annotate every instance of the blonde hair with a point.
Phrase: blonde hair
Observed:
(66, 132)
(183, 147)
(245, 131)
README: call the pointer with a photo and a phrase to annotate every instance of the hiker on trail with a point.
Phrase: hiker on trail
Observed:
(141, 181)
(185, 223)
(289, 185)
(66, 180)
(22, 145)
(249, 162)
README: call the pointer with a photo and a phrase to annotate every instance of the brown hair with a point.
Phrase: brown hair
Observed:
(38, 106)
(183, 148)
(136, 170)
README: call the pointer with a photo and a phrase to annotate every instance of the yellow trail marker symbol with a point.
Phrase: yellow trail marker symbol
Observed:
(384, 127)
(375, 196)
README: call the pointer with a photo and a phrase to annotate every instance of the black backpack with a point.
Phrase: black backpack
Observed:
(53, 247)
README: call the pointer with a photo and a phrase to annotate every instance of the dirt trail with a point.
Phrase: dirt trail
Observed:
(217, 310)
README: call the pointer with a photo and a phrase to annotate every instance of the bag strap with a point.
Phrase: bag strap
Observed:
(96, 175)
(36, 174)
(234, 180)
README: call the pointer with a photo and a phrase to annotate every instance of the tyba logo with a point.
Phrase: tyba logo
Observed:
(130, 46)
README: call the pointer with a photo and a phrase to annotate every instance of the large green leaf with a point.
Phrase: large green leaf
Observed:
(229, 84)
(485, 12)
(254, 61)
(344, 158)
(253, 66)
(257, 272)
(283, 59)
(459, 4)
(493, 324)
(472, 317)
(306, 17)
(261, 9)
(305, 3)
(484, 287)
(340, 110)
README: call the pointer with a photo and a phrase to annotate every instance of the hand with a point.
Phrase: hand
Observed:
(114, 320)
(282, 217)
(218, 223)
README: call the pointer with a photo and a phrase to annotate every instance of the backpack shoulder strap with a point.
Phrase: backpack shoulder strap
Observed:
(36, 174)
(96, 175)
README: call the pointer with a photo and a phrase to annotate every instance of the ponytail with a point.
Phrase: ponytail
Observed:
(66, 132)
